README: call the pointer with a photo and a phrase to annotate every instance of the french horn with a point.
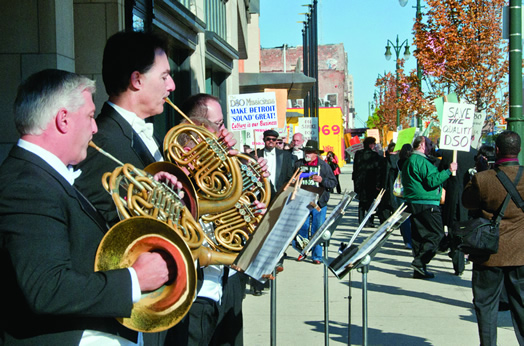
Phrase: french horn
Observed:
(227, 186)
(136, 193)
(165, 307)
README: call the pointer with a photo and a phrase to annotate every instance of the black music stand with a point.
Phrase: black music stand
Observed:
(359, 257)
(275, 231)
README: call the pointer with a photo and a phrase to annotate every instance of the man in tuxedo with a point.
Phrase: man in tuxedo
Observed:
(50, 233)
(137, 78)
(216, 314)
(280, 162)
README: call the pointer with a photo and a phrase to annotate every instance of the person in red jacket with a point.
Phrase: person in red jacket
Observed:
(332, 161)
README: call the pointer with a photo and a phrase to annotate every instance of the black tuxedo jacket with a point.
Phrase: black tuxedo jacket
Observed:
(284, 169)
(116, 136)
(48, 247)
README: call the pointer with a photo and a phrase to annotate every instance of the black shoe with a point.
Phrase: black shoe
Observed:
(421, 273)
(257, 292)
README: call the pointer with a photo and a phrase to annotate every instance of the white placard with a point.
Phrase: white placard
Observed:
(457, 123)
(308, 127)
(478, 124)
(355, 147)
(252, 111)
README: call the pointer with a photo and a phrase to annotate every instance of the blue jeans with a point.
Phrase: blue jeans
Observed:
(316, 218)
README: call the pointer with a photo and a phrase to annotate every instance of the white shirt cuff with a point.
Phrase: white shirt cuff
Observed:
(135, 285)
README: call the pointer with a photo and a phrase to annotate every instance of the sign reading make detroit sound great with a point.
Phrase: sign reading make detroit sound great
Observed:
(457, 122)
(253, 111)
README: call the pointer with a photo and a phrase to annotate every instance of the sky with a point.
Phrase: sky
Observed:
(363, 26)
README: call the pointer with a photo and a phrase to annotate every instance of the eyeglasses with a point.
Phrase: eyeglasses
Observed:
(272, 139)
(219, 123)
(280, 142)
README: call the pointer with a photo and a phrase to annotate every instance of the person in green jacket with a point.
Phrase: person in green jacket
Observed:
(422, 183)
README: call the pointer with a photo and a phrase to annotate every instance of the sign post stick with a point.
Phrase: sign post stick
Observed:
(454, 173)
(255, 143)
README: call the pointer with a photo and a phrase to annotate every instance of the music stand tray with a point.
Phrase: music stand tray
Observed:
(275, 231)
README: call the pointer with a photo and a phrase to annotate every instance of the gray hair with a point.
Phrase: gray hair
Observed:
(41, 96)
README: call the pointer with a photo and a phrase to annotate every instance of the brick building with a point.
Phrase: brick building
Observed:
(335, 85)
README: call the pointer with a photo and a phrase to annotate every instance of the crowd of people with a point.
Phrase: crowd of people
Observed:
(54, 210)
(441, 191)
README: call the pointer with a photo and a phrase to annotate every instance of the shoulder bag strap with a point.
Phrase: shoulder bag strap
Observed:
(511, 187)
(506, 200)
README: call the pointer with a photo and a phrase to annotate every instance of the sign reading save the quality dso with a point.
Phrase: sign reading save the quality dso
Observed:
(457, 122)
(252, 111)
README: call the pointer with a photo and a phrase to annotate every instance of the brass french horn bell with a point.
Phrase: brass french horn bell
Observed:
(123, 243)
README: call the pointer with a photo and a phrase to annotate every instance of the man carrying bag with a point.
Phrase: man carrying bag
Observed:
(504, 269)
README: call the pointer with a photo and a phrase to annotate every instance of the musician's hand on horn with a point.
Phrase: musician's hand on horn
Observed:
(170, 180)
(262, 162)
(152, 270)
(261, 208)
(230, 141)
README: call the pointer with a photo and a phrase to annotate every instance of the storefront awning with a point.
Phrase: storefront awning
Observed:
(297, 84)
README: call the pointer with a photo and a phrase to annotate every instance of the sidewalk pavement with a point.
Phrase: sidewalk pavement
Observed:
(401, 310)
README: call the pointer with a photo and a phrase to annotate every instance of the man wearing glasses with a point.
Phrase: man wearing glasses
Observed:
(280, 162)
(205, 106)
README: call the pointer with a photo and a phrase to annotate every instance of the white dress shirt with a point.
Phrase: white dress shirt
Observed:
(143, 129)
(271, 157)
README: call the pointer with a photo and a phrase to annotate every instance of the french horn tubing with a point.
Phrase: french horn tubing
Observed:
(234, 227)
(234, 221)
(136, 193)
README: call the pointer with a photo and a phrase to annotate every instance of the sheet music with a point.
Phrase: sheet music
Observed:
(292, 217)
(331, 221)
(370, 245)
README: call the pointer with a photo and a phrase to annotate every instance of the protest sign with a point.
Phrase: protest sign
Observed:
(457, 121)
(439, 103)
(355, 145)
(405, 137)
(281, 98)
(252, 111)
(308, 127)
(476, 131)
(373, 133)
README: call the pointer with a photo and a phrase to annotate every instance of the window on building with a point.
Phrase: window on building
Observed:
(138, 15)
(332, 99)
(216, 17)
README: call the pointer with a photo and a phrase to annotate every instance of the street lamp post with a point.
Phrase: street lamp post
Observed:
(397, 47)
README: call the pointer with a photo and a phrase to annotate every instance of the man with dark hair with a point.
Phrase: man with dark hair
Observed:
(422, 191)
(50, 233)
(367, 172)
(137, 77)
(505, 269)
(453, 211)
